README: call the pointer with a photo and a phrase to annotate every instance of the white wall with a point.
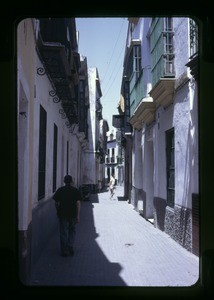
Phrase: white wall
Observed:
(181, 44)
(186, 150)
(33, 91)
(184, 120)
(92, 112)
(137, 179)
(75, 159)
(90, 173)
(25, 85)
(164, 121)
(193, 135)
(149, 171)
(43, 87)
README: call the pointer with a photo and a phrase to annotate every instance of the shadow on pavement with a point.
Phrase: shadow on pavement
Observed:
(122, 198)
(88, 267)
(94, 198)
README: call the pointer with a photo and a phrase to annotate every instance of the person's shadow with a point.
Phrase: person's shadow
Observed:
(88, 267)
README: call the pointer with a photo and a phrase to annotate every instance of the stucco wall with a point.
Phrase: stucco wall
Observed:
(164, 121)
(181, 120)
(137, 179)
(181, 44)
(37, 218)
(43, 87)
(25, 84)
(149, 178)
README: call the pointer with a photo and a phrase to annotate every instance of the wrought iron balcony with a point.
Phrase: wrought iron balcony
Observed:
(61, 64)
(193, 60)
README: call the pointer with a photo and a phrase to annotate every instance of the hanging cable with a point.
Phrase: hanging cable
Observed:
(113, 50)
(114, 70)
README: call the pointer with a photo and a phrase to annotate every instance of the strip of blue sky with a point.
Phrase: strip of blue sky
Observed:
(102, 41)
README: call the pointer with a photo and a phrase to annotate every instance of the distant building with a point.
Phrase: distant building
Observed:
(94, 169)
(114, 160)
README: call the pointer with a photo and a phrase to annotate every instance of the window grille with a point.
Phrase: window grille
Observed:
(193, 35)
(134, 67)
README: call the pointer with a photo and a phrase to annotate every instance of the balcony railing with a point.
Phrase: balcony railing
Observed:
(193, 60)
(61, 64)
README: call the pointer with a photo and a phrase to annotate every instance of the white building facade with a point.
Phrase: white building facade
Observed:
(114, 160)
(163, 101)
(51, 140)
(94, 168)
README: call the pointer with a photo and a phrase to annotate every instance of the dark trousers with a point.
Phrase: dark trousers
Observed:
(67, 233)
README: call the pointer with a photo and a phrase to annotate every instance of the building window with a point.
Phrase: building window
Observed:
(193, 36)
(55, 157)
(137, 60)
(134, 65)
(170, 167)
(162, 51)
(42, 153)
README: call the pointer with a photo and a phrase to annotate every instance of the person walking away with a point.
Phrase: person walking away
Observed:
(67, 201)
(111, 186)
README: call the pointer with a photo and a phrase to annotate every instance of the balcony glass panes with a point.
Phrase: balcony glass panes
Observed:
(137, 93)
(161, 44)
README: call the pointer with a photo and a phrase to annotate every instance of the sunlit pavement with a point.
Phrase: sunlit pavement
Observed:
(115, 246)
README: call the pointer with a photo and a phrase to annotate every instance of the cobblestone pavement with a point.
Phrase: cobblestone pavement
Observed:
(115, 246)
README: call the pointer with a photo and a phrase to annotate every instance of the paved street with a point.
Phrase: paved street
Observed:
(115, 246)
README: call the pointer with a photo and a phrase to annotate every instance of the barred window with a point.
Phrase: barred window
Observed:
(193, 36)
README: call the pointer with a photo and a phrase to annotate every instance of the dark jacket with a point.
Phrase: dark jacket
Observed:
(66, 198)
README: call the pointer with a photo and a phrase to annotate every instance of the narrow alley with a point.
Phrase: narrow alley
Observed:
(115, 246)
